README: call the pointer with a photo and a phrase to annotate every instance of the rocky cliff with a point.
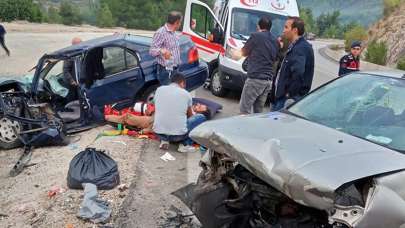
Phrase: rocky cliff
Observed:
(391, 30)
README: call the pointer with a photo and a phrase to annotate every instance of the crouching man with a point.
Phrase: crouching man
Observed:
(174, 117)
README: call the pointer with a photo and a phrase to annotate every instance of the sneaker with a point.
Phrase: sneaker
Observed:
(164, 145)
(186, 149)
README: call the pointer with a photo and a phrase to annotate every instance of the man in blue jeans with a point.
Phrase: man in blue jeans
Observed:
(174, 117)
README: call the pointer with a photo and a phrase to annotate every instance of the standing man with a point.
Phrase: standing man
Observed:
(294, 78)
(174, 117)
(261, 51)
(166, 47)
(2, 41)
(351, 61)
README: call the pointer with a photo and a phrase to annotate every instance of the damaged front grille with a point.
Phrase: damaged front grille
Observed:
(25, 122)
(228, 195)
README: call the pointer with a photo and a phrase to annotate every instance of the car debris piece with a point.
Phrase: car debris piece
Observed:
(24, 159)
(167, 157)
(92, 207)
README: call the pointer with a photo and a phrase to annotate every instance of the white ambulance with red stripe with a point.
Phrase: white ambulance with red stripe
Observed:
(219, 32)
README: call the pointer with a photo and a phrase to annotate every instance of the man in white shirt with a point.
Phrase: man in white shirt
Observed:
(174, 117)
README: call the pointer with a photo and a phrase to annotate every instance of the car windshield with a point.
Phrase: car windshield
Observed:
(367, 106)
(244, 22)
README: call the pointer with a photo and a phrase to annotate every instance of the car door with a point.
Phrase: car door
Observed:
(121, 80)
(199, 24)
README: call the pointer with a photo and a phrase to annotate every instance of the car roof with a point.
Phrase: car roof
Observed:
(387, 73)
(100, 42)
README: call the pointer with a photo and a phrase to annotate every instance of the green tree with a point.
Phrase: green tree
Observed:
(307, 16)
(142, 14)
(36, 13)
(355, 33)
(53, 15)
(104, 17)
(18, 10)
(401, 63)
(70, 14)
(332, 32)
(377, 52)
(325, 21)
(390, 6)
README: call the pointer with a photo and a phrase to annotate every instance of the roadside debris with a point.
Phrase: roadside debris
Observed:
(122, 187)
(176, 218)
(55, 190)
(93, 166)
(22, 162)
(92, 207)
(167, 157)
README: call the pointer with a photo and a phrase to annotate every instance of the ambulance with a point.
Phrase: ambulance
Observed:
(224, 29)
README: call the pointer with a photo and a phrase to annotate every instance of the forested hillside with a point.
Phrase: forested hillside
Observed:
(364, 12)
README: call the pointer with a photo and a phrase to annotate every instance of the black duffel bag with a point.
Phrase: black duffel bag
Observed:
(93, 166)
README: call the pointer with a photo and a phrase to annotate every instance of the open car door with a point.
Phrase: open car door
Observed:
(204, 29)
(115, 75)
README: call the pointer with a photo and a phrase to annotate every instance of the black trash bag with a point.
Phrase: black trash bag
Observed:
(93, 166)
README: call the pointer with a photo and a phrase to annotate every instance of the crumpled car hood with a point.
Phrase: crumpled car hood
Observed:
(24, 81)
(304, 160)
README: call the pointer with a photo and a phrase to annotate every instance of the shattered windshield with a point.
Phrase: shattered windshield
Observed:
(244, 23)
(367, 106)
(52, 73)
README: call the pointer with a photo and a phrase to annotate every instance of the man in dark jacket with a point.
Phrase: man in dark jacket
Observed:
(351, 61)
(294, 78)
(261, 50)
(2, 41)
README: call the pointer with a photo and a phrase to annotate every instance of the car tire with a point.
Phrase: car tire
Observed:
(216, 85)
(149, 93)
(8, 138)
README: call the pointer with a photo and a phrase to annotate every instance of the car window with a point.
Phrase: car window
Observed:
(367, 106)
(202, 21)
(52, 73)
(117, 59)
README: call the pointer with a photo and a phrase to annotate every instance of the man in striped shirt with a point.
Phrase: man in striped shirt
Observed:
(166, 47)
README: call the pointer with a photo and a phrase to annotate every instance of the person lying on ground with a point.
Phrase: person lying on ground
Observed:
(145, 122)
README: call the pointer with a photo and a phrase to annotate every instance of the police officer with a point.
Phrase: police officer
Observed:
(351, 61)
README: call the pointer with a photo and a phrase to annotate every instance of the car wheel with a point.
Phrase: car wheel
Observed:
(9, 130)
(149, 94)
(216, 86)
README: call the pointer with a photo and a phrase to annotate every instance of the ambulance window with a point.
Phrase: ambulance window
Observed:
(202, 21)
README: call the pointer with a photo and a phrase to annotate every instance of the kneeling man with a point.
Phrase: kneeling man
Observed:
(174, 117)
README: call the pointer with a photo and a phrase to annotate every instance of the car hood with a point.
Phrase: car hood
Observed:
(304, 160)
(24, 81)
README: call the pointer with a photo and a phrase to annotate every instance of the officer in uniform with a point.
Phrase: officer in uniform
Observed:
(351, 61)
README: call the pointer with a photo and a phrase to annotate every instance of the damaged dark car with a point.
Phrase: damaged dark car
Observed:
(336, 158)
(43, 108)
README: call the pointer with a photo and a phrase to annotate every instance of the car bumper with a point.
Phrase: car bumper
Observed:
(232, 79)
(196, 76)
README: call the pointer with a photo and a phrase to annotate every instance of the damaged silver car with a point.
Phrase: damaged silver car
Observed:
(333, 159)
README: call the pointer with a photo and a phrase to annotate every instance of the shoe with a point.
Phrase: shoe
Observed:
(164, 145)
(186, 149)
